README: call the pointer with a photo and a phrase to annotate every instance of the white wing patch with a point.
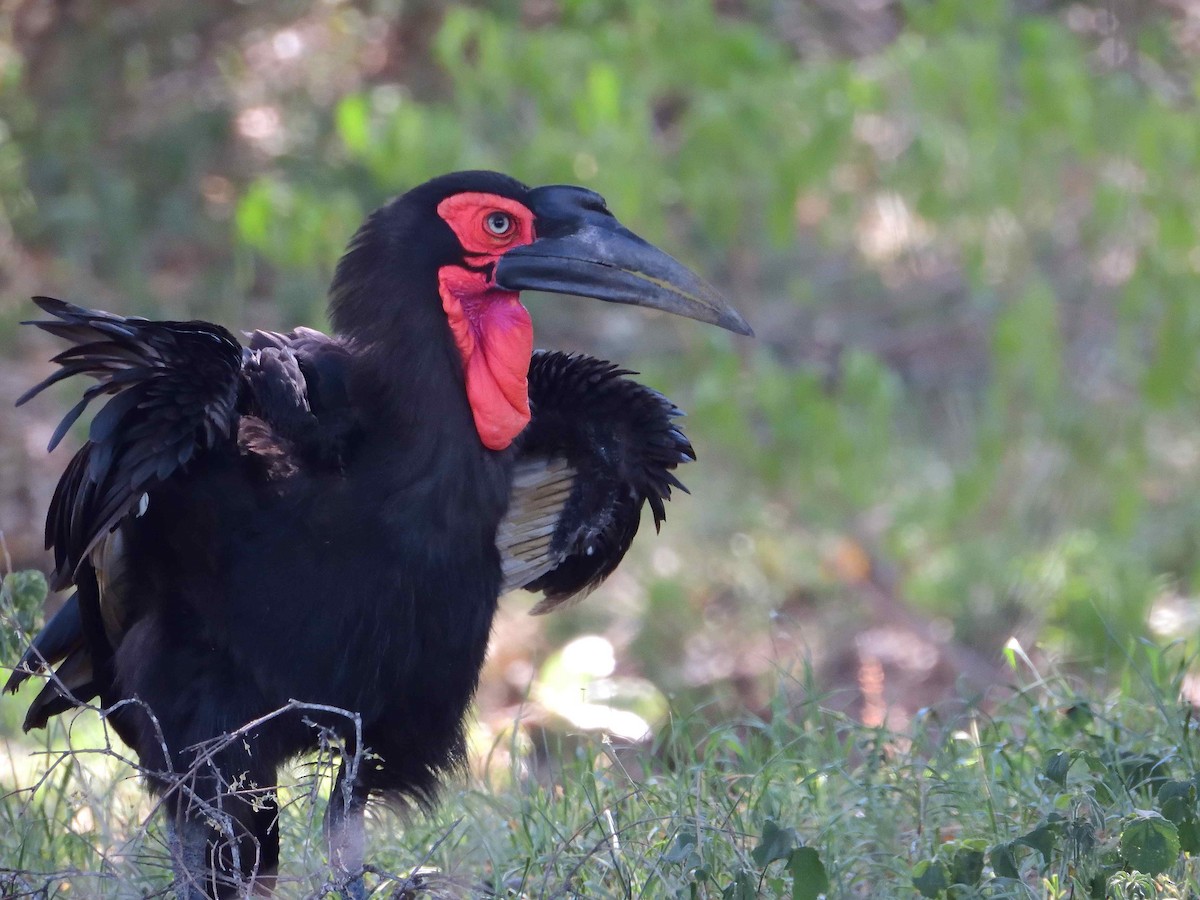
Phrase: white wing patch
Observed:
(540, 490)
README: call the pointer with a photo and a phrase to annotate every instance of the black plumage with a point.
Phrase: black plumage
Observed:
(621, 441)
(329, 519)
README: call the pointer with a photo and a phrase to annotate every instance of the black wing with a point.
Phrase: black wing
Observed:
(176, 387)
(598, 447)
(60, 639)
(180, 391)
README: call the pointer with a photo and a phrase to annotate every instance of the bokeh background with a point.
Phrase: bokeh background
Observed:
(967, 233)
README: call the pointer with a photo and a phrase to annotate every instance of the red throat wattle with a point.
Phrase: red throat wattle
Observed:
(495, 337)
(491, 328)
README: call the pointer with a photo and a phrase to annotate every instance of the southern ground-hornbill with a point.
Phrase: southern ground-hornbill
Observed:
(254, 533)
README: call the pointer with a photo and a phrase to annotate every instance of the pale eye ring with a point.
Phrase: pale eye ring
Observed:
(498, 223)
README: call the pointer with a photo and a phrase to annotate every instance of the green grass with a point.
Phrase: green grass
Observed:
(1052, 789)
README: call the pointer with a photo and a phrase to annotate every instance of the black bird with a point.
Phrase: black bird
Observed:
(263, 537)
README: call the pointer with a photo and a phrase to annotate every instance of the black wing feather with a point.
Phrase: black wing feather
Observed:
(176, 387)
(621, 445)
(61, 635)
(180, 390)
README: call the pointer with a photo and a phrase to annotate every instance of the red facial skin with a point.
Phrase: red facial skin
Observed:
(491, 328)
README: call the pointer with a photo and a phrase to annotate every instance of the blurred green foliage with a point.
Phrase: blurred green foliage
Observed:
(21, 597)
(969, 245)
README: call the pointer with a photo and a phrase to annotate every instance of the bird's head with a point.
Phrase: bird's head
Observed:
(479, 239)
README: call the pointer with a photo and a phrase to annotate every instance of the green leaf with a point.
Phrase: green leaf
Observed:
(809, 878)
(1177, 801)
(930, 877)
(1045, 838)
(966, 865)
(744, 887)
(1057, 767)
(1189, 836)
(776, 843)
(1149, 843)
(1142, 770)
(1003, 859)
(684, 848)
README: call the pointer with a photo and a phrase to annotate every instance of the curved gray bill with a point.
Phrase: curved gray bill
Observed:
(600, 258)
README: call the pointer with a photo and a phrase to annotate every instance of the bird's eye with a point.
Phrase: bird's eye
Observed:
(498, 223)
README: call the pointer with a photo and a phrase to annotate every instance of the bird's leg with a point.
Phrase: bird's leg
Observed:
(188, 840)
(224, 844)
(345, 831)
(266, 828)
